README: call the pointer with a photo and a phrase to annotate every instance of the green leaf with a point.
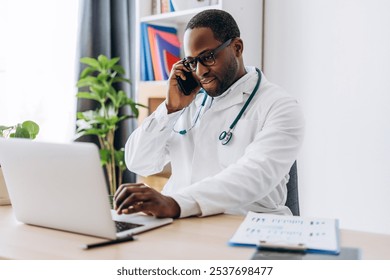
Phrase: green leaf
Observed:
(4, 128)
(87, 115)
(113, 120)
(141, 105)
(82, 124)
(100, 90)
(88, 81)
(32, 128)
(105, 156)
(119, 156)
(109, 111)
(91, 62)
(86, 72)
(102, 77)
(20, 132)
(112, 62)
(121, 98)
(94, 131)
(119, 69)
(112, 99)
(135, 110)
(133, 107)
(120, 79)
(103, 60)
(88, 95)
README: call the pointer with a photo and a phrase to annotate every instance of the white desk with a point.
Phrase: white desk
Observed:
(191, 238)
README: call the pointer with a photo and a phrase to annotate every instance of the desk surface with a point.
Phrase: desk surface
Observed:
(190, 238)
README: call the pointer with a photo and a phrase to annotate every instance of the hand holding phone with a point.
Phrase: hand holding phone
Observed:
(181, 91)
(188, 85)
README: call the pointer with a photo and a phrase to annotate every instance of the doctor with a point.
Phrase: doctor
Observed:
(230, 145)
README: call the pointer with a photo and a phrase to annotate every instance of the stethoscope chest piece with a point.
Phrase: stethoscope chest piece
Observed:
(225, 137)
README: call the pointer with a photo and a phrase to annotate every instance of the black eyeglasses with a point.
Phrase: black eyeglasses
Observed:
(207, 58)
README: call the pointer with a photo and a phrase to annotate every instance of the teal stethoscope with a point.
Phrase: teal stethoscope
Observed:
(226, 136)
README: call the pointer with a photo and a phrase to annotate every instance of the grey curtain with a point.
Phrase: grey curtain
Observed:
(106, 27)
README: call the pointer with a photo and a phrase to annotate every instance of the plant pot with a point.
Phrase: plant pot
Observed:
(4, 197)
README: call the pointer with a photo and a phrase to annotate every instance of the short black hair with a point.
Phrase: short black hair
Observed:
(220, 22)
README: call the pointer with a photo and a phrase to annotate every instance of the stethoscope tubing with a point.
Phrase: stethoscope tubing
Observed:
(226, 136)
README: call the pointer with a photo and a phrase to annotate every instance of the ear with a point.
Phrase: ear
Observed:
(238, 46)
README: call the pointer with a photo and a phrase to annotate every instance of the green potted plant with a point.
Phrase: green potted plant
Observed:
(96, 83)
(27, 129)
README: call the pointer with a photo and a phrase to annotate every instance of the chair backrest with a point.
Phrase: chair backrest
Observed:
(292, 191)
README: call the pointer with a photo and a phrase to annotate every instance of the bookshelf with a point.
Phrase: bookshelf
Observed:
(247, 13)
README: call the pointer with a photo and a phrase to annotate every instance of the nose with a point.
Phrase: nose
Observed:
(201, 70)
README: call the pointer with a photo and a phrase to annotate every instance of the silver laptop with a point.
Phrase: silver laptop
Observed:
(62, 186)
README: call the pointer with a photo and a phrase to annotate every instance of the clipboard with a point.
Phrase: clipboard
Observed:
(288, 233)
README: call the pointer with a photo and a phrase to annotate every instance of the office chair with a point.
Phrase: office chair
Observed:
(292, 201)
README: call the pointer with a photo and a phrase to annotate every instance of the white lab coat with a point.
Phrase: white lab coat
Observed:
(249, 173)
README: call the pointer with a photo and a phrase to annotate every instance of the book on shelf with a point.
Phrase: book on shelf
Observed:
(162, 6)
(156, 7)
(288, 233)
(168, 54)
(168, 6)
(155, 39)
(169, 60)
(180, 5)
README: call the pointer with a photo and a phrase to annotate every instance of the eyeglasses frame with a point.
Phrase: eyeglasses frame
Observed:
(199, 57)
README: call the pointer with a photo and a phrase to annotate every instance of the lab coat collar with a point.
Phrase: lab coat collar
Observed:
(235, 94)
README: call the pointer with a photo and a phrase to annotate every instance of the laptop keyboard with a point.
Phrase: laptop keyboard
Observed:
(122, 226)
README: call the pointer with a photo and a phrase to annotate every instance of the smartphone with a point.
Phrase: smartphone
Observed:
(188, 85)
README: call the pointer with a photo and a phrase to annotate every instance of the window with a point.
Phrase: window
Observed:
(2, 51)
(38, 49)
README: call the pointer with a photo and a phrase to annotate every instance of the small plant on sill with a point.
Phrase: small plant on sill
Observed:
(27, 129)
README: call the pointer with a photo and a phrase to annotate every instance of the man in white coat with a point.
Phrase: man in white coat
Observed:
(231, 145)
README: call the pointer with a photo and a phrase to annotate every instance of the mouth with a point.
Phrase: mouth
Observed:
(206, 81)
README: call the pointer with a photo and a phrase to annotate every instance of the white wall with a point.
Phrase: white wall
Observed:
(334, 56)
